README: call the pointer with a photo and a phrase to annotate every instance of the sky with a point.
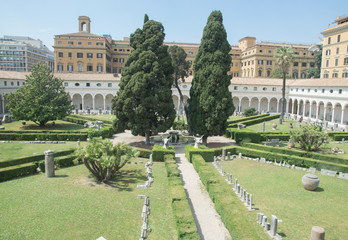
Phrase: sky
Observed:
(283, 21)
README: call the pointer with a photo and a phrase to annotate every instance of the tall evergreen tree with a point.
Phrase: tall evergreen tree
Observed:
(181, 67)
(144, 102)
(210, 100)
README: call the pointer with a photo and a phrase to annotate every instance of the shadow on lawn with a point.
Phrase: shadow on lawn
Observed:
(126, 180)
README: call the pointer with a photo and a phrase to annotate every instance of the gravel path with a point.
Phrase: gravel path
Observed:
(208, 222)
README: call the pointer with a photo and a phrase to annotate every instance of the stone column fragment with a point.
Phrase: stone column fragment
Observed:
(49, 163)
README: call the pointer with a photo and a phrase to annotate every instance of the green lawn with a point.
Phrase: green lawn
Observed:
(235, 118)
(72, 206)
(278, 191)
(269, 128)
(19, 149)
(59, 125)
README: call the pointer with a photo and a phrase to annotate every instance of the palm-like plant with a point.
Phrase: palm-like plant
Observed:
(284, 57)
(103, 159)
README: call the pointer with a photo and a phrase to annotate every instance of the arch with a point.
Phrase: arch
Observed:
(236, 103)
(248, 70)
(273, 105)
(306, 109)
(108, 101)
(260, 73)
(77, 101)
(337, 113)
(88, 101)
(345, 115)
(268, 72)
(301, 105)
(320, 110)
(252, 72)
(244, 103)
(295, 75)
(254, 103)
(290, 105)
(303, 75)
(176, 103)
(263, 105)
(98, 102)
(83, 26)
(280, 105)
(295, 107)
(329, 109)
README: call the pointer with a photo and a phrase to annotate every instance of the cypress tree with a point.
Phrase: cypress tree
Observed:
(210, 100)
(144, 102)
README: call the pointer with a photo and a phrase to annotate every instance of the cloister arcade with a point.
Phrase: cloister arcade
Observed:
(92, 102)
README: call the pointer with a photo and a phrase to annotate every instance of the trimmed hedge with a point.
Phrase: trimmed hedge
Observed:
(270, 135)
(17, 171)
(207, 153)
(337, 136)
(105, 132)
(158, 152)
(85, 119)
(256, 120)
(247, 135)
(246, 118)
(292, 159)
(60, 162)
(299, 153)
(184, 221)
(43, 136)
(230, 208)
(143, 153)
(36, 158)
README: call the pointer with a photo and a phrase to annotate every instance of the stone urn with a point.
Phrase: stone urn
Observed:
(274, 126)
(310, 182)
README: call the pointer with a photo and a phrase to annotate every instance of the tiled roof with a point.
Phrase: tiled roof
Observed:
(258, 81)
(80, 34)
(320, 82)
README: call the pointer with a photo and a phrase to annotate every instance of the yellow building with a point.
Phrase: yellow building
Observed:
(258, 60)
(89, 53)
(334, 62)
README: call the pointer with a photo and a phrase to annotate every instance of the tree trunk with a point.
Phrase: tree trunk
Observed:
(204, 139)
(147, 138)
(108, 174)
(281, 119)
(185, 107)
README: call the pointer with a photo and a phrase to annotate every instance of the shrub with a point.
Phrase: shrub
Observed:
(103, 159)
(246, 135)
(205, 152)
(309, 137)
(17, 171)
(118, 126)
(158, 152)
(247, 118)
(249, 111)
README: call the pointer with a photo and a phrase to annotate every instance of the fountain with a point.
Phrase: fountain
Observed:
(174, 138)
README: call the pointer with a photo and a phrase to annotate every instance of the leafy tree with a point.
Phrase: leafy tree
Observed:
(181, 67)
(309, 137)
(315, 72)
(41, 99)
(103, 159)
(144, 102)
(284, 57)
(277, 73)
(249, 111)
(211, 103)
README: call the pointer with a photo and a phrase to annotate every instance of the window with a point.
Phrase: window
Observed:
(69, 54)
(66, 84)
(329, 40)
(338, 38)
(79, 43)
(308, 90)
(77, 84)
(109, 84)
(99, 44)
(115, 59)
(190, 52)
(70, 43)
(336, 62)
(323, 90)
(99, 68)
(327, 62)
(302, 90)
(296, 53)
(235, 74)
(121, 70)
(260, 50)
(236, 64)
(268, 73)
(326, 75)
(345, 75)
(60, 67)
(303, 75)
(264, 89)
(269, 62)
(339, 91)
(252, 62)
(315, 90)
(335, 75)
(331, 91)
(89, 68)
(255, 88)
(60, 54)
(59, 42)
(274, 89)
(248, 62)
(270, 51)
(235, 88)
(115, 50)
(89, 55)
(260, 73)
(17, 83)
(312, 64)
(98, 84)
(99, 55)
(304, 64)
(345, 61)
(128, 50)
(114, 70)
(245, 88)
(337, 50)
(89, 43)
(260, 62)
(295, 75)
(328, 52)
(295, 64)
(80, 67)
(12, 83)
(79, 55)
(70, 67)
(121, 60)
(88, 84)
(5, 83)
(304, 54)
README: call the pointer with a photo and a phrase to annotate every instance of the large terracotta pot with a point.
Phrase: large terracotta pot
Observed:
(310, 182)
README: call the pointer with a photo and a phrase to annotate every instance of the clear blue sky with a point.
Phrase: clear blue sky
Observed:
(296, 21)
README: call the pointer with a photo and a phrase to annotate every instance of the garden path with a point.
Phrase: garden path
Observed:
(208, 221)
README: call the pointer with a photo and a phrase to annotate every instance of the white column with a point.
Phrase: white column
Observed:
(287, 106)
(259, 105)
(104, 102)
(240, 105)
(83, 103)
(298, 108)
(93, 107)
(342, 116)
(268, 105)
(317, 114)
(333, 115)
(310, 110)
(324, 113)
(278, 105)
(293, 107)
